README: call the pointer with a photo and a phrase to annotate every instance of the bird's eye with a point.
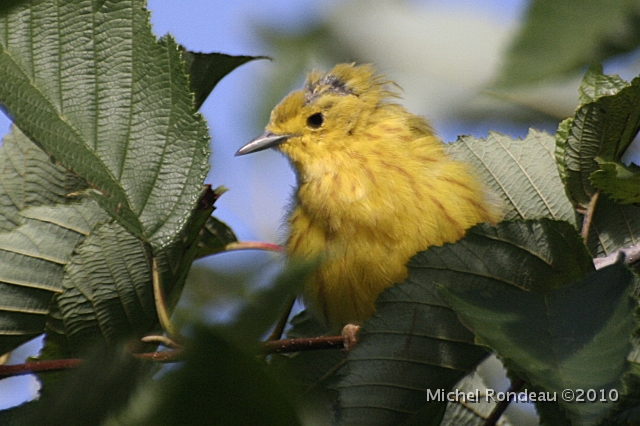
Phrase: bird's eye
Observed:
(314, 121)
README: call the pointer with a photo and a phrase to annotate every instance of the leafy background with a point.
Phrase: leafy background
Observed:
(477, 31)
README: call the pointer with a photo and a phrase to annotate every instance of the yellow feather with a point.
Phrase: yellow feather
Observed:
(375, 186)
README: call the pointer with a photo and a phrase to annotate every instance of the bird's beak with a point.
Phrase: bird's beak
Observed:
(264, 141)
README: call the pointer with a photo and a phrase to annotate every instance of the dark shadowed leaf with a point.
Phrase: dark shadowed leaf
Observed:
(220, 384)
(314, 374)
(215, 236)
(551, 337)
(101, 386)
(207, 69)
(415, 345)
(614, 226)
(263, 307)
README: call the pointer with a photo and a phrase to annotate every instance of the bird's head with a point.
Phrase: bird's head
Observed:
(322, 116)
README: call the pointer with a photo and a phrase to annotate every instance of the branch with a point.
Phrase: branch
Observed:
(175, 355)
(66, 364)
(38, 366)
(632, 255)
(302, 344)
(588, 217)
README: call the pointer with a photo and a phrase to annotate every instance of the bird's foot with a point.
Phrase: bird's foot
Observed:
(350, 336)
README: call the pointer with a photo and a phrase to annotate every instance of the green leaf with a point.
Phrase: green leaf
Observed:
(414, 331)
(522, 173)
(89, 394)
(110, 104)
(552, 336)
(215, 237)
(243, 393)
(602, 128)
(528, 255)
(628, 409)
(621, 182)
(7, 5)
(107, 290)
(560, 36)
(313, 374)
(91, 85)
(55, 346)
(562, 135)
(33, 256)
(207, 69)
(595, 84)
(414, 344)
(263, 307)
(175, 259)
(29, 178)
(42, 224)
(613, 226)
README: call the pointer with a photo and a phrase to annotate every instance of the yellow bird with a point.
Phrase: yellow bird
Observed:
(375, 186)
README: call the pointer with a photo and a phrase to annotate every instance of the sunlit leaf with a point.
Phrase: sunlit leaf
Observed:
(107, 289)
(601, 128)
(595, 84)
(97, 91)
(621, 182)
(523, 173)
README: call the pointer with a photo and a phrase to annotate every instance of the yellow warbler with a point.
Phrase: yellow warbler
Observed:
(375, 186)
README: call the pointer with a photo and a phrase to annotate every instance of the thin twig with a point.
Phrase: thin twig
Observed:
(161, 307)
(502, 406)
(303, 344)
(161, 340)
(278, 329)
(175, 355)
(65, 364)
(588, 216)
(38, 366)
(252, 245)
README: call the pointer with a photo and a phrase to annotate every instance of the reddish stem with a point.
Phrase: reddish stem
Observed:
(175, 355)
(253, 245)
